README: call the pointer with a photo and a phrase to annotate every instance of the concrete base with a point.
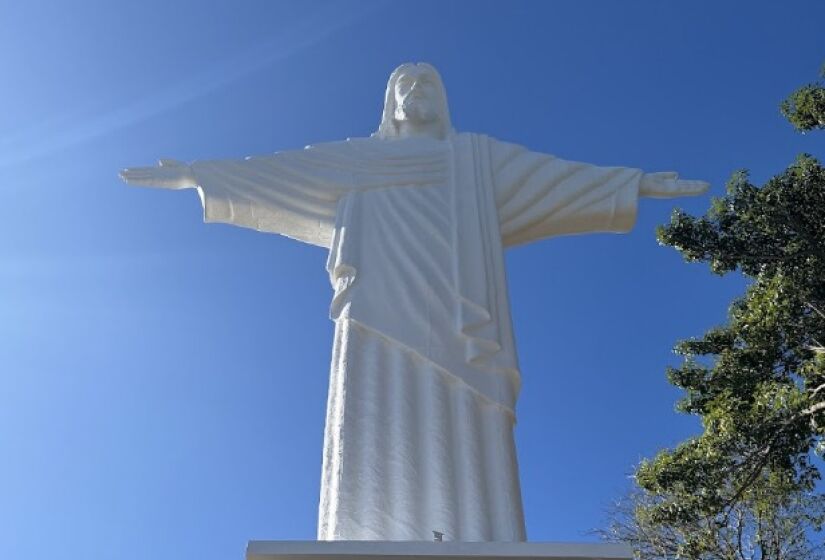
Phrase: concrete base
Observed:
(447, 550)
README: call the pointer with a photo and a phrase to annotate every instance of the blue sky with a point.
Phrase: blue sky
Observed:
(163, 382)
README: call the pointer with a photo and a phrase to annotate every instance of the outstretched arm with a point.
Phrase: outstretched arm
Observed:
(539, 195)
(292, 193)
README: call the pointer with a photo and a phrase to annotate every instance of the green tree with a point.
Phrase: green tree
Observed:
(758, 527)
(805, 108)
(746, 487)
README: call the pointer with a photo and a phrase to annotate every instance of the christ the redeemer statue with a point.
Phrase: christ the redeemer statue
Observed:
(424, 375)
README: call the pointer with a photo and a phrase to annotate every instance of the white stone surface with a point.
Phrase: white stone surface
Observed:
(424, 376)
(378, 550)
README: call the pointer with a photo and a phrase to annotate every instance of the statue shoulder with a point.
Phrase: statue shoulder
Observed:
(348, 144)
(502, 147)
(503, 152)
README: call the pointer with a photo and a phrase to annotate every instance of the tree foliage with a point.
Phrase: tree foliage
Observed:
(760, 527)
(805, 108)
(746, 487)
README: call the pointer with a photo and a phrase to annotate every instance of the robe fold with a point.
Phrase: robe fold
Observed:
(424, 374)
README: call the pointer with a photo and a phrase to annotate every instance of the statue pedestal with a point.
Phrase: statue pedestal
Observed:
(447, 550)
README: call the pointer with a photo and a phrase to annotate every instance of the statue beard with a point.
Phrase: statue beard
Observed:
(416, 110)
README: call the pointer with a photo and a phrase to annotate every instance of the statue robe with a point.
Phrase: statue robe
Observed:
(424, 374)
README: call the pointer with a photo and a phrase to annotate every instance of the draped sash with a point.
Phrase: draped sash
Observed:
(483, 355)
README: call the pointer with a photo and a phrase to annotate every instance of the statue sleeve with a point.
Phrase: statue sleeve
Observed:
(539, 195)
(293, 193)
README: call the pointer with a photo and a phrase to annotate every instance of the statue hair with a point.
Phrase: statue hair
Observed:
(389, 125)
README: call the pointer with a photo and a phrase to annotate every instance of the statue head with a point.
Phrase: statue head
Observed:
(415, 100)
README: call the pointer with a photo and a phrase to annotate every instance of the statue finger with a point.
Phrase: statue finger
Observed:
(136, 173)
(147, 176)
(693, 187)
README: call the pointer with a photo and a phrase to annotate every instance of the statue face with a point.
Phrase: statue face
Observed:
(417, 97)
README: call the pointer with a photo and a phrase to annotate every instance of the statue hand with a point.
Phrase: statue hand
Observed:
(667, 185)
(170, 174)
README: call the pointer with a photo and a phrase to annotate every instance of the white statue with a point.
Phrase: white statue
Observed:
(424, 375)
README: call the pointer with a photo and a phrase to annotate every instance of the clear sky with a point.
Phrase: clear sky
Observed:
(163, 382)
